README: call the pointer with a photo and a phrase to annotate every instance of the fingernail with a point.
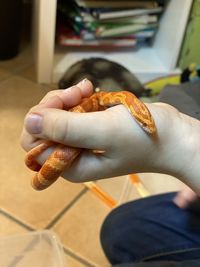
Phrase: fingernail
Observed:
(33, 123)
(82, 82)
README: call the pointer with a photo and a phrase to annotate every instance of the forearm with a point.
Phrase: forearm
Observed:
(177, 145)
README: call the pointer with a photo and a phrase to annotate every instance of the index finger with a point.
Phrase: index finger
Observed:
(69, 97)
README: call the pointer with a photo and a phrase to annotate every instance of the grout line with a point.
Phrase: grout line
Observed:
(78, 258)
(57, 218)
(12, 218)
(67, 251)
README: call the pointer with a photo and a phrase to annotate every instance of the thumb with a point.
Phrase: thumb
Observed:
(85, 130)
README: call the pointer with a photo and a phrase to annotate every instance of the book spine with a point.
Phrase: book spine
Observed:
(117, 31)
(128, 13)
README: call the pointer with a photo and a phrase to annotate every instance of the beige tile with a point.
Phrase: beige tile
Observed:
(16, 196)
(159, 183)
(79, 229)
(4, 74)
(30, 74)
(154, 183)
(22, 60)
(9, 227)
(71, 262)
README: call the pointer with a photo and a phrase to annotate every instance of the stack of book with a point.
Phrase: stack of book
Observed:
(108, 23)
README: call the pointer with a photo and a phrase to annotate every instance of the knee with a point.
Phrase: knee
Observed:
(113, 237)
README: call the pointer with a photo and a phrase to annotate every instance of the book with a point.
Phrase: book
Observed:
(125, 13)
(146, 34)
(67, 37)
(106, 27)
(146, 19)
(117, 4)
(123, 30)
(96, 43)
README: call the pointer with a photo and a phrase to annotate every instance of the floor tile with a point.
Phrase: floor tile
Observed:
(122, 190)
(160, 183)
(4, 74)
(10, 227)
(22, 60)
(30, 74)
(71, 262)
(16, 195)
(79, 229)
(154, 183)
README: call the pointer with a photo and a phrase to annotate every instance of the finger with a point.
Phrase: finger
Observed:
(86, 130)
(49, 95)
(185, 197)
(60, 99)
(87, 167)
(28, 141)
(64, 99)
(70, 99)
(86, 87)
(70, 96)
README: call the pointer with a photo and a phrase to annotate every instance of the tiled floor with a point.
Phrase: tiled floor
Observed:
(70, 210)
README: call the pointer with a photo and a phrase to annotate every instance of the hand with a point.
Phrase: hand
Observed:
(127, 148)
(185, 197)
(57, 99)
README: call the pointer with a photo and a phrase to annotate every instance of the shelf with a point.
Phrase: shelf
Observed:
(145, 63)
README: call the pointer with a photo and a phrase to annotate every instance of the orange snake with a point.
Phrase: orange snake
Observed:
(62, 157)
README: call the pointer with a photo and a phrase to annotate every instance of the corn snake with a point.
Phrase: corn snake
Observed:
(62, 157)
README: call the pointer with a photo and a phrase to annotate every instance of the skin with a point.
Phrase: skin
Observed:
(127, 148)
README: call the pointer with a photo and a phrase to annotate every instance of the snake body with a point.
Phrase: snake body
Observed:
(62, 157)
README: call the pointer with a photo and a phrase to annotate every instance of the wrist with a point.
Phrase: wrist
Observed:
(177, 145)
(190, 173)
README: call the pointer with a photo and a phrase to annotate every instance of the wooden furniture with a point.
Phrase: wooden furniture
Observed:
(146, 63)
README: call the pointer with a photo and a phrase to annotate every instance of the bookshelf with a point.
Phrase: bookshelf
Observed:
(146, 63)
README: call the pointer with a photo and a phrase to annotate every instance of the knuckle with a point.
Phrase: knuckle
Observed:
(49, 95)
(32, 109)
(59, 129)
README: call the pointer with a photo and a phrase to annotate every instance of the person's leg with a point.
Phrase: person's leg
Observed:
(151, 229)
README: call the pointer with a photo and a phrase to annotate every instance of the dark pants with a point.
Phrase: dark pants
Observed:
(151, 229)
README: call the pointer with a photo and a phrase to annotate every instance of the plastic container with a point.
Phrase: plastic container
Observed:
(40, 248)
